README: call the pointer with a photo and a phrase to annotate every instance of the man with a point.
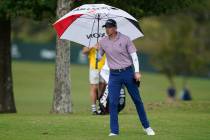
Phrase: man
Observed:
(97, 83)
(121, 56)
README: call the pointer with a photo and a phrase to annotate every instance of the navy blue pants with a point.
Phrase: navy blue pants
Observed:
(116, 80)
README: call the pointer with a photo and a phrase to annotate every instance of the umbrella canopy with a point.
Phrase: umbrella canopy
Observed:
(83, 25)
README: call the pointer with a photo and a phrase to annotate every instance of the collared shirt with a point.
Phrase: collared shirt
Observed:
(117, 51)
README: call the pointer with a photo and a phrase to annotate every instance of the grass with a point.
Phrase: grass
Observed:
(33, 88)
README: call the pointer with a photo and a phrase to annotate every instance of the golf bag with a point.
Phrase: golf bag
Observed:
(104, 101)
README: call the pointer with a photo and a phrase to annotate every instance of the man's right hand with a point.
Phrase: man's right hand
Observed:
(96, 46)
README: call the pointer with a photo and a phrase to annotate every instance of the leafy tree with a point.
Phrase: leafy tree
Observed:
(140, 8)
(187, 50)
(9, 9)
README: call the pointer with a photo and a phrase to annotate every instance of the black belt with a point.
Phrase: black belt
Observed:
(120, 70)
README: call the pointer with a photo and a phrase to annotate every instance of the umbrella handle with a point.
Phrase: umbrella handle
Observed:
(97, 59)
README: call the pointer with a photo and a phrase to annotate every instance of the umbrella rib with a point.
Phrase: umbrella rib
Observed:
(91, 32)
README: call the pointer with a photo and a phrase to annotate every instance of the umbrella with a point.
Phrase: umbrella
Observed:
(83, 24)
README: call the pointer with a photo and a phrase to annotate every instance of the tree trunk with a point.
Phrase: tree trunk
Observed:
(7, 103)
(62, 91)
(171, 81)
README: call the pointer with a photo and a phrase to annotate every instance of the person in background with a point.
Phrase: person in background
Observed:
(97, 83)
(171, 93)
(185, 94)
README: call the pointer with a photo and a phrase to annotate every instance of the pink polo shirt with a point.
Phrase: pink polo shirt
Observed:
(117, 51)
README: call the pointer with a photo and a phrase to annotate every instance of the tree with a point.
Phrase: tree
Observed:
(7, 103)
(62, 92)
(140, 8)
(9, 9)
(186, 53)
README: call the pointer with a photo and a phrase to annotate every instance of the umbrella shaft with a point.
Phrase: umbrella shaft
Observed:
(98, 19)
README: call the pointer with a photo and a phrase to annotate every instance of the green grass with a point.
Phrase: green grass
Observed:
(33, 87)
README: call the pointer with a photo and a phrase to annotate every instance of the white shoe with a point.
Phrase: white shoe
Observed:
(112, 134)
(149, 131)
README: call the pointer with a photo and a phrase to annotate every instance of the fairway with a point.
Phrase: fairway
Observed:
(33, 90)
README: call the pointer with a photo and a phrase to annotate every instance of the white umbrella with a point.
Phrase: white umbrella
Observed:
(83, 25)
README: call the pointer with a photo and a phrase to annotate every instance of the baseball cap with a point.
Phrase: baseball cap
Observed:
(110, 23)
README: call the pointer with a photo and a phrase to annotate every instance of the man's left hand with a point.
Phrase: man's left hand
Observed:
(137, 76)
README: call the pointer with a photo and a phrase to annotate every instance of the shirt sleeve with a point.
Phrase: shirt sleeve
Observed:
(130, 46)
(135, 61)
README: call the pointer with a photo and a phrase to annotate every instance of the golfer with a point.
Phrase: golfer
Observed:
(121, 57)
